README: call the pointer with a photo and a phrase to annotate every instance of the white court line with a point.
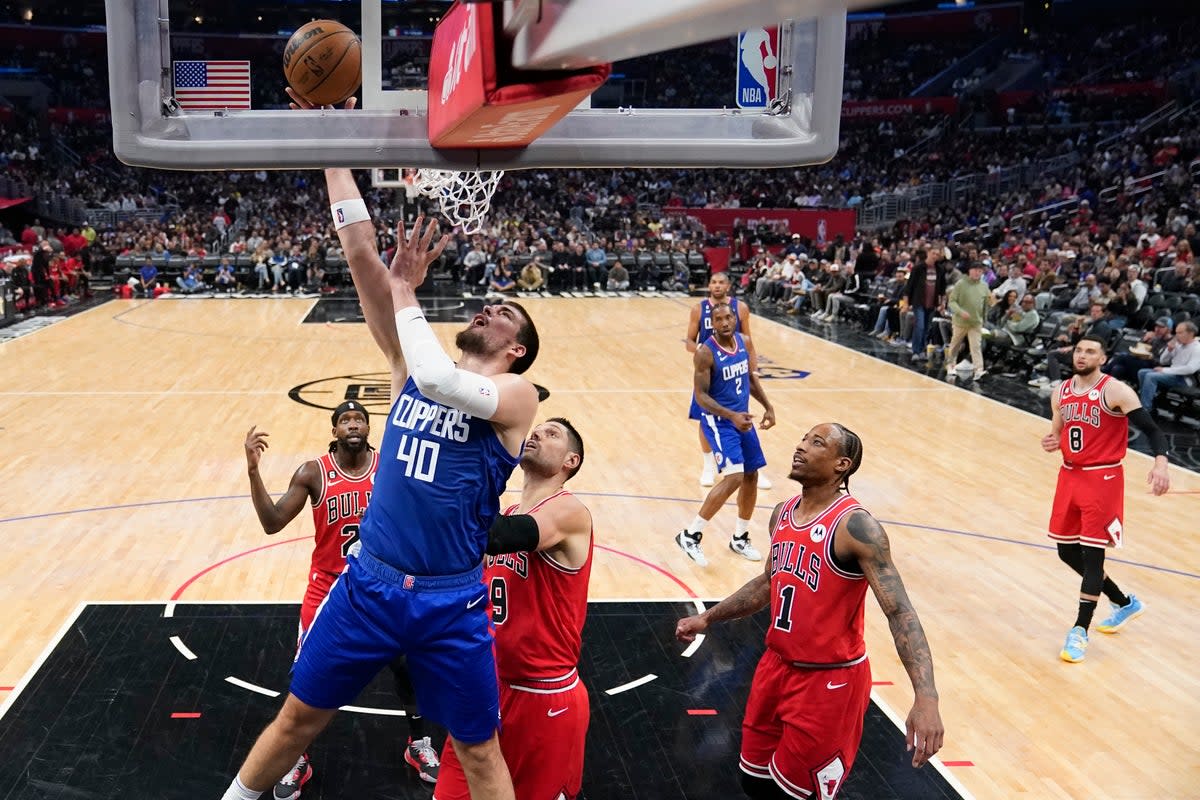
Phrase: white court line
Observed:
(169, 611)
(935, 761)
(625, 687)
(699, 640)
(252, 687)
(383, 712)
(183, 648)
(275, 392)
(41, 659)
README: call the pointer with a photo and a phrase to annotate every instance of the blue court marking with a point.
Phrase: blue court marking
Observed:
(619, 495)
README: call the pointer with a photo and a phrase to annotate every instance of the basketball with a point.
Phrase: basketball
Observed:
(323, 62)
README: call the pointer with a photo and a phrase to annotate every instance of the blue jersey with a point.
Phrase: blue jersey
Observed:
(706, 328)
(730, 383)
(437, 489)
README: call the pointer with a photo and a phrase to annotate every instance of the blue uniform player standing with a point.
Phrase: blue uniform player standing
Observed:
(699, 329)
(723, 383)
(451, 440)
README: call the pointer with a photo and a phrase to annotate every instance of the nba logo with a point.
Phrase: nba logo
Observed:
(408, 581)
(758, 67)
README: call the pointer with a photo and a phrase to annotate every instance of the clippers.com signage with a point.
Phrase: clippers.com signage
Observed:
(469, 108)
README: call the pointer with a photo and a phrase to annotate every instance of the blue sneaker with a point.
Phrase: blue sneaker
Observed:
(1075, 648)
(1120, 615)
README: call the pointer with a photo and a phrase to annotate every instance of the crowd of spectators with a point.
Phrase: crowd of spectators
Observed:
(1127, 241)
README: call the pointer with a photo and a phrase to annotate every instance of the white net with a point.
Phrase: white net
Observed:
(465, 197)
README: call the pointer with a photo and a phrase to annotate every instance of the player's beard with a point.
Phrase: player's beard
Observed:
(470, 340)
(350, 447)
(1086, 373)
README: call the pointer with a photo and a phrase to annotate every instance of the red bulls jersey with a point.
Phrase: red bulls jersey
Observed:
(337, 512)
(1092, 434)
(538, 608)
(816, 608)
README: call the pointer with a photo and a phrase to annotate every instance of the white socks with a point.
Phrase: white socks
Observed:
(697, 525)
(710, 462)
(237, 791)
(742, 529)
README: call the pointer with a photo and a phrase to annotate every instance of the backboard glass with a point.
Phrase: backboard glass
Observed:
(627, 125)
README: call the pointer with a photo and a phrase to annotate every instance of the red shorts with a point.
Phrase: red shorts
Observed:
(542, 738)
(802, 726)
(319, 584)
(1089, 506)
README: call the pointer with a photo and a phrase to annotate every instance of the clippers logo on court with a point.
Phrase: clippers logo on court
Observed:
(758, 67)
(371, 390)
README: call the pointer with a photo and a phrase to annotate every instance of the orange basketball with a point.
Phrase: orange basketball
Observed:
(323, 62)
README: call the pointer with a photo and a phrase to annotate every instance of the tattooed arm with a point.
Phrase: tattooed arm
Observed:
(753, 597)
(868, 544)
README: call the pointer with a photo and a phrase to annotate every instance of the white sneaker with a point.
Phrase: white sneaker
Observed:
(690, 544)
(708, 477)
(741, 545)
(764, 482)
(1041, 380)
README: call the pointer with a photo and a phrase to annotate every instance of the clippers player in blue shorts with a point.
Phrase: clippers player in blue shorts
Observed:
(699, 329)
(337, 486)
(723, 383)
(450, 442)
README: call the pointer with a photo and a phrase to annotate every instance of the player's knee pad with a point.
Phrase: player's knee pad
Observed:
(1071, 555)
(761, 788)
(1093, 570)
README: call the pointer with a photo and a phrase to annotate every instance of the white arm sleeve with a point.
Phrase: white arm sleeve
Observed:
(435, 374)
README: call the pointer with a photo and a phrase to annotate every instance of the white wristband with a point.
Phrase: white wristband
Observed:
(348, 212)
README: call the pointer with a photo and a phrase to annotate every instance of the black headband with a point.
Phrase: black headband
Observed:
(349, 405)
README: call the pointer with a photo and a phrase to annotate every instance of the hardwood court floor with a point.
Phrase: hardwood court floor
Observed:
(124, 480)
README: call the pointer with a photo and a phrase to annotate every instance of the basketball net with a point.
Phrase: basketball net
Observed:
(465, 197)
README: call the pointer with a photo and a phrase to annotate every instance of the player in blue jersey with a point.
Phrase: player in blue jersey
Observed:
(699, 329)
(723, 383)
(453, 436)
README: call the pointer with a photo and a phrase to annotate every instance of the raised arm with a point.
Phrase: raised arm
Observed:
(507, 400)
(274, 516)
(862, 538)
(356, 232)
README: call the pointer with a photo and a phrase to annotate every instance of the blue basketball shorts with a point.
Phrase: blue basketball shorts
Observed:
(374, 613)
(733, 450)
(695, 411)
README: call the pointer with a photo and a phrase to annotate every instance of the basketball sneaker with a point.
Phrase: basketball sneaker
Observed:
(764, 482)
(1075, 648)
(1121, 615)
(421, 756)
(690, 544)
(708, 477)
(741, 545)
(289, 787)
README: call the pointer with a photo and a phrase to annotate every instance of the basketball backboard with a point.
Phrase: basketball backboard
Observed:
(389, 128)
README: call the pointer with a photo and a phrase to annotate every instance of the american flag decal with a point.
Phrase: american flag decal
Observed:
(212, 85)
